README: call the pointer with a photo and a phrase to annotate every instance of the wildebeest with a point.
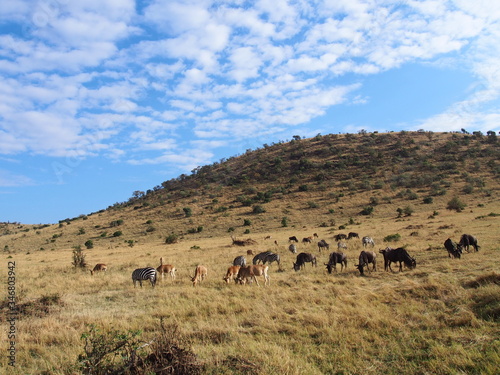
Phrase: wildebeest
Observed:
(240, 261)
(232, 272)
(323, 244)
(302, 258)
(340, 236)
(200, 273)
(352, 235)
(293, 248)
(307, 240)
(367, 241)
(468, 240)
(293, 239)
(266, 257)
(334, 259)
(397, 255)
(251, 272)
(365, 258)
(454, 250)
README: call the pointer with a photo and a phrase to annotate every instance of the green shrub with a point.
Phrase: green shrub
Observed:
(118, 233)
(284, 221)
(247, 222)
(89, 244)
(456, 204)
(187, 211)
(258, 209)
(392, 237)
(171, 238)
(428, 200)
(367, 210)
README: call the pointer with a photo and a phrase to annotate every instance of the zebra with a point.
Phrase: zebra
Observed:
(266, 257)
(240, 261)
(140, 274)
(293, 248)
(368, 241)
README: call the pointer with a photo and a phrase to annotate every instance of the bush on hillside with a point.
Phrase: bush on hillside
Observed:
(456, 204)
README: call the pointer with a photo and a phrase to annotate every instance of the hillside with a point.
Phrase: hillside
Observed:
(326, 181)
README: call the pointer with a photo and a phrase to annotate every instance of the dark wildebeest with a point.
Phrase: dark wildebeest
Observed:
(397, 255)
(334, 259)
(302, 258)
(367, 241)
(293, 248)
(365, 258)
(454, 250)
(340, 236)
(307, 240)
(322, 244)
(293, 239)
(240, 261)
(352, 235)
(468, 240)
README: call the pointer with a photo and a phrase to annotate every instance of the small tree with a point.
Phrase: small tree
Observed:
(187, 211)
(284, 221)
(79, 258)
(89, 244)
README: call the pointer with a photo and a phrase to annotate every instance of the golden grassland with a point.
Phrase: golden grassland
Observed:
(431, 320)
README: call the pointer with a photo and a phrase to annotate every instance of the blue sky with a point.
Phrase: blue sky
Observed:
(100, 98)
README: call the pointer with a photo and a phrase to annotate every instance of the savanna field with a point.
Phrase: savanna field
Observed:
(411, 190)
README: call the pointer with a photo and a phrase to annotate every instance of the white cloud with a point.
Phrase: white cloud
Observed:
(9, 179)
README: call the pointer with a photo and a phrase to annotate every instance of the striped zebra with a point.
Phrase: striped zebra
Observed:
(148, 273)
(266, 257)
(240, 261)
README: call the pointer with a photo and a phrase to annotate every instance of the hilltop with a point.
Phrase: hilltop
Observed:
(327, 181)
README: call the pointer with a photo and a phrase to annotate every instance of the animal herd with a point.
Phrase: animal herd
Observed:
(242, 273)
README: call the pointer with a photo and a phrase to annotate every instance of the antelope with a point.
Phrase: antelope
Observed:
(166, 269)
(199, 274)
(99, 267)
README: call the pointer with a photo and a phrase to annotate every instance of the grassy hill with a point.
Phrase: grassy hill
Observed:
(415, 189)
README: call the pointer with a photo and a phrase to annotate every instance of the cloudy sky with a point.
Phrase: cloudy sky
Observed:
(99, 98)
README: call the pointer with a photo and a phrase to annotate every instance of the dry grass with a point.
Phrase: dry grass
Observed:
(441, 318)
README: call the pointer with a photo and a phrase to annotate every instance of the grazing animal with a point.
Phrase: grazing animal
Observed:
(164, 269)
(240, 261)
(293, 239)
(293, 248)
(302, 258)
(468, 240)
(336, 258)
(315, 235)
(307, 240)
(322, 244)
(250, 252)
(340, 236)
(231, 273)
(99, 267)
(266, 257)
(267, 237)
(365, 258)
(252, 272)
(341, 245)
(200, 273)
(454, 250)
(148, 273)
(352, 235)
(397, 255)
(367, 241)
